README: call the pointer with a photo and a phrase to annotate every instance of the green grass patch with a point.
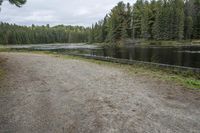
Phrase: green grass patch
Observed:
(193, 83)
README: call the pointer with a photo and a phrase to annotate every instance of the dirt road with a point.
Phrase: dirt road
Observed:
(44, 94)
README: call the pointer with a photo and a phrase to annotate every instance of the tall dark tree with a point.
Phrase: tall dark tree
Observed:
(188, 23)
(196, 18)
(137, 17)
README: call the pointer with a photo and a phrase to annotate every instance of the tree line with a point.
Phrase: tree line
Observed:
(14, 34)
(150, 20)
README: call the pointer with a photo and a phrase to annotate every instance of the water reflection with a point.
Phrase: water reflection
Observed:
(180, 56)
(188, 56)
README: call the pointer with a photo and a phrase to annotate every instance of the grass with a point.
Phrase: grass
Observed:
(165, 43)
(169, 42)
(142, 42)
(185, 79)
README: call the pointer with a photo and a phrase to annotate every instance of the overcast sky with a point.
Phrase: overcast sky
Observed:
(53, 12)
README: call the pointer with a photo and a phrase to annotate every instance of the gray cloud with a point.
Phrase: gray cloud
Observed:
(41, 12)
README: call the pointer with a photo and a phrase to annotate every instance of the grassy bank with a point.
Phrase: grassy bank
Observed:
(186, 79)
(153, 43)
(166, 43)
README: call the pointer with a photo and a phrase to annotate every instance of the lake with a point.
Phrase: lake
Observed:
(187, 56)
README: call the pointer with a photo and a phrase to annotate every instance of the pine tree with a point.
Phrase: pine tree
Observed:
(145, 21)
(178, 6)
(196, 18)
(137, 16)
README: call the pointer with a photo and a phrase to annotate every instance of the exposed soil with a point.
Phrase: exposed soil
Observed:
(45, 94)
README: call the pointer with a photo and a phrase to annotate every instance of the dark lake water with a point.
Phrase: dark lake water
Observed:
(188, 56)
(181, 56)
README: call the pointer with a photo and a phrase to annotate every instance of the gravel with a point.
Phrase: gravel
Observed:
(45, 94)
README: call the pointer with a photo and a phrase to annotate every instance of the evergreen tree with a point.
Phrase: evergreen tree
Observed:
(188, 23)
(145, 21)
(137, 18)
(196, 18)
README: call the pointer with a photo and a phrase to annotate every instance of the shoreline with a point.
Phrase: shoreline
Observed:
(139, 42)
(184, 78)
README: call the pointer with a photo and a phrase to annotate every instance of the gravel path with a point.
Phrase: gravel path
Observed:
(44, 94)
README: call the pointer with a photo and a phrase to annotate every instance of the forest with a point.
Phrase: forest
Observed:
(148, 20)
(14, 34)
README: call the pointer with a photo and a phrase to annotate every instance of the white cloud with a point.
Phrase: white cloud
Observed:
(42, 12)
(46, 16)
